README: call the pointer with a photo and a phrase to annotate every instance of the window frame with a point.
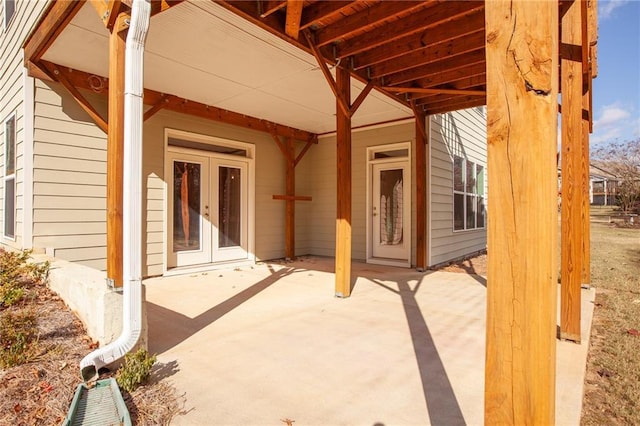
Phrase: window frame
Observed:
(474, 191)
(9, 179)
(6, 19)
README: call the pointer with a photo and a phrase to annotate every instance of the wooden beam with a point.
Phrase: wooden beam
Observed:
(107, 10)
(304, 150)
(271, 6)
(361, 97)
(290, 208)
(454, 106)
(469, 72)
(115, 152)
(83, 80)
(572, 183)
(343, 191)
(435, 90)
(294, 15)
(157, 107)
(421, 190)
(522, 88)
(593, 37)
(79, 97)
(343, 103)
(53, 21)
(318, 11)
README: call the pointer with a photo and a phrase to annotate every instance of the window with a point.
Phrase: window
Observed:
(468, 195)
(9, 9)
(10, 177)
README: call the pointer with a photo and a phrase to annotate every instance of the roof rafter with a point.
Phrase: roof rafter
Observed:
(447, 64)
(368, 17)
(450, 49)
(416, 22)
(444, 32)
(317, 12)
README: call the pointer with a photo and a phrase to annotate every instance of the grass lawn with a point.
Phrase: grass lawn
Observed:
(612, 384)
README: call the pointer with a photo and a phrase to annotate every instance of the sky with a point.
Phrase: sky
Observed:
(616, 90)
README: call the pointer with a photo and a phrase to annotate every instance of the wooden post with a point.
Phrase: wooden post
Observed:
(115, 151)
(290, 221)
(343, 213)
(522, 89)
(572, 175)
(586, 209)
(421, 191)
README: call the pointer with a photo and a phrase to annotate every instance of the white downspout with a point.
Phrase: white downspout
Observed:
(132, 198)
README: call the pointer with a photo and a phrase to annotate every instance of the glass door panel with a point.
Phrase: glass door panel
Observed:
(230, 226)
(390, 208)
(229, 206)
(189, 233)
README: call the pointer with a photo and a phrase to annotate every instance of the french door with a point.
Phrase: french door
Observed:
(207, 209)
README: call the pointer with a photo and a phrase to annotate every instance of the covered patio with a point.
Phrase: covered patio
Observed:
(264, 344)
(515, 57)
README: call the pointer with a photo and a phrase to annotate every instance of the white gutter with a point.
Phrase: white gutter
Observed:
(132, 198)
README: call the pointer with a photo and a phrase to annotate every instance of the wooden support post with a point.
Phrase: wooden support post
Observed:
(115, 151)
(343, 213)
(572, 175)
(421, 191)
(522, 89)
(290, 221)
(586, 207)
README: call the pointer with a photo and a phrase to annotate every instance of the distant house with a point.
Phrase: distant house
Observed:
(603, 185)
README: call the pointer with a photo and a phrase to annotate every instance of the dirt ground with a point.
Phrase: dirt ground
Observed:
(40, 392)
(473, 265)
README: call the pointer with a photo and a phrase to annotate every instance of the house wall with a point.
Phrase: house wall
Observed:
(69, 177)
(323, 176)
(70, 182)
(462, 133)
(12, 101)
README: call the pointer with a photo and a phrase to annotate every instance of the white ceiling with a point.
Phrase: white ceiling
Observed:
(200, 51)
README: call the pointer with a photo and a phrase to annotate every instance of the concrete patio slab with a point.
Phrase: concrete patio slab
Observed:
(262, 344)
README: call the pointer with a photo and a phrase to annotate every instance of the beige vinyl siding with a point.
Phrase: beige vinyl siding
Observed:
(324, 190)
(461, 133)
(12, 102)
(269, 180)
(69, 177)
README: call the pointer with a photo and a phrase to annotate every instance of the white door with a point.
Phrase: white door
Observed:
(390, 210)
(207, 209)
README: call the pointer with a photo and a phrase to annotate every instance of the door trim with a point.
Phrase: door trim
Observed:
(371, 161)
(248, 158)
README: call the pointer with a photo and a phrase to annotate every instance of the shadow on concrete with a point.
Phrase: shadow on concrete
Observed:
(168, 328)
(440, 399)
(162, 370)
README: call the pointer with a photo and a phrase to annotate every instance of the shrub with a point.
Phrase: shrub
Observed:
(18, 338)
(135, 370)
(16, 274)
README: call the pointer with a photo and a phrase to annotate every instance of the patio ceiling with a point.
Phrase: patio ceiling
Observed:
(257, 57)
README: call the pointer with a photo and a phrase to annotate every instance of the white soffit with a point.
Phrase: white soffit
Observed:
(200, 51)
